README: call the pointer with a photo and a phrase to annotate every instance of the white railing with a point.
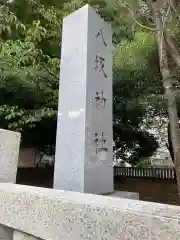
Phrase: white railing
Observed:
(29, 213)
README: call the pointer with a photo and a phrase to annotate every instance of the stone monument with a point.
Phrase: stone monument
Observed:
(9, 153)
(84, 153)
(84, 143)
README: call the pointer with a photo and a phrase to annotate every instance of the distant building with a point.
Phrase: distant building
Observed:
(122, 163)
(118, 162)
(162, 158)
(28, 157)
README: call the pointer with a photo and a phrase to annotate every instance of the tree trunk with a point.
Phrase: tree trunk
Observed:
(168, 89)
(172, 49)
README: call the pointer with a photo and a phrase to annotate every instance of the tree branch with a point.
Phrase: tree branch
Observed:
(166, 17)
(134, 18)
(50, 73)
(37, 164)
(171, 4)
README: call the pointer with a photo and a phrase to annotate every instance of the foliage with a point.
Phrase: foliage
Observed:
(137, 86)
(144, 163)
(28, 75)
(29, 67)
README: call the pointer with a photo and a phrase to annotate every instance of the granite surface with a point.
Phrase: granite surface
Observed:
(79, 164)
(9, 153)
(55, 214)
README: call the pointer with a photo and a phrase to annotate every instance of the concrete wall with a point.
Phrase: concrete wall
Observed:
(54, 214)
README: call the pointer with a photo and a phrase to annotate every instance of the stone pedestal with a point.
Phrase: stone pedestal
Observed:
(122, 194)
(84, 145)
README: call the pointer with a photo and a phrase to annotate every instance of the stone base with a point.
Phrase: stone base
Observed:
(121, 194)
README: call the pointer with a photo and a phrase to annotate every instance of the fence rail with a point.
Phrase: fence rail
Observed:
(151, 173)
